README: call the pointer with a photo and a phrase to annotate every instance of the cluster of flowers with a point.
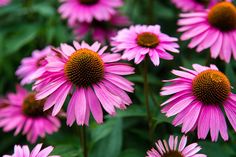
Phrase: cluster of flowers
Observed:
(100, 18)
(94, 79)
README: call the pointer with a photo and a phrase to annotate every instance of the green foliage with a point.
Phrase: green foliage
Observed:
(27, 25)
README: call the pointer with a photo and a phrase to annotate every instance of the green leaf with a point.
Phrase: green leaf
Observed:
(44, 9)
(22, 35)
(230, 74)
(67, 151)
(132, 153)
(111, 144)
(216, 149)
(132, 111)
(101, 131)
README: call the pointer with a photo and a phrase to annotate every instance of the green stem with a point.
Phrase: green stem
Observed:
(208, 60)
(146, 93)
(154, 99)
(84, 141)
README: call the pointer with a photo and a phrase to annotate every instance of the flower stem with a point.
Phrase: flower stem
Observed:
(84, 141)
(146, 93)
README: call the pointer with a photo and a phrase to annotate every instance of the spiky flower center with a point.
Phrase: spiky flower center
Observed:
(33, 107)
(211, 87)
(223, 16)
(204, 2)
(172, 154)
(147, 39)
(88, 2)
(84, 68)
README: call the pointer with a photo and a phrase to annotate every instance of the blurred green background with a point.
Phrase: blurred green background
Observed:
(27, 25)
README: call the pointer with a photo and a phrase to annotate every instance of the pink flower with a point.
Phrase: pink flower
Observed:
(92, 77)
(4, 103)
(194, 5)
(214, 29)
(101, 31)
(140, 40)
(33, 67)
(24, 113)
(173, 149)
(36, 152)
(4, 2)
(199, 96)
(87, 10)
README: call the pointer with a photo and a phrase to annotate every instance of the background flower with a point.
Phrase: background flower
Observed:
(141, 40)
(4, 102)
(174, 149)
(87, 10)
(4, 2)
(33, 67)
(101, 31)
(28, 25)
(24, 113)
(24, 151)
(214, 29)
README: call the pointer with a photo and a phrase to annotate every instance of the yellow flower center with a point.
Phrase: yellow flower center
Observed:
(149, 40)
(33, 107)
(84, 68)
(88, 2)
(211, 87)
(172, 154)
(223, 16)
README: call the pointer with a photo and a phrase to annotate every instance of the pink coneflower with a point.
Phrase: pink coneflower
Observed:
(140, 40)
(101, 31)
(36, 152)
(33, 67)
(199, 96)
(4, 2)
(87, 10)
(25, 113)
(92, 77)
(214, 29)
(173, 149)
(4, 103)
(195, 5)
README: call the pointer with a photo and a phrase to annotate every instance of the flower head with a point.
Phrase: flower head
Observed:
(92, 77)
(214, 29)
(101, 31)
(33, 67)
(88, 10)
(195, 5)
(25, 152)
(173, 149)
(24, 113)
(141, 40)
(199, 96)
